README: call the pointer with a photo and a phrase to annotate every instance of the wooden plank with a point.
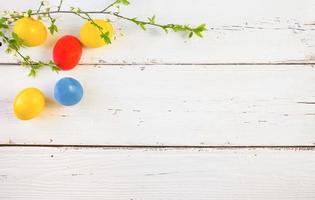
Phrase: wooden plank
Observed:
(247, 31)
(168, 105)
(66, 173)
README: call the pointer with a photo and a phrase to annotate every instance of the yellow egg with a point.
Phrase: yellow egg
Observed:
(28, 103)
(90, 34)
(32, 32)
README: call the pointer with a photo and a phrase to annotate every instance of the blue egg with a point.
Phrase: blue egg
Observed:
(68, 91)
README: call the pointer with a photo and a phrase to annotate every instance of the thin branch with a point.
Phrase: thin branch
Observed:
(26, 60)
(116, 14)
(72, 12)
(79, 14)
(109, 6)
(60, 3)
(104, 36)
(40, 6)
(7, 40)
(163, 26)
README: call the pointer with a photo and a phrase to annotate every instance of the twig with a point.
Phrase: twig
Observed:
(104, 36)
(40, 6)
(109, 6)
(60, 3)
(165, 27)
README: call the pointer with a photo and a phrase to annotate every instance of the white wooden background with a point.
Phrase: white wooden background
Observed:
(229, 116)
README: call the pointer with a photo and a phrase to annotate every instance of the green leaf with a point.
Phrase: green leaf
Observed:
(3, 23)
(16, 42)
(165, 29)
(124, 2)
(15, 36)
(105, 37)
(55, 69)
(29, 12)
(53, 29)
(200, 29)
(198, 34)
(32, 73)
(2, 20)
(190, 34)
(8, 50)
(53, 66)
(134, 20)
(152, 19)
(27, 59)
(177, 28)
(142, 25)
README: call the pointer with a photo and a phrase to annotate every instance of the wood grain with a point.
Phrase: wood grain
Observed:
(242, 31)
(249, 82)
(63, 173)
(168, 105)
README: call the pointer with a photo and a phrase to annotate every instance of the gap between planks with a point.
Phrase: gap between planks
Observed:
(184, 64)
(168, 147)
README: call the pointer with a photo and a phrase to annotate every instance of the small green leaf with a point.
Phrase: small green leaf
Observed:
(27, 58)
(29, 12)
(53, 66)
(198, 34)
(4, 23)
(124, 2)
(152, 19)
(177, 28)
(32, 73)
(15, 36)
(142, 25)
(134, 19)
(55, 69)
(2, 20)
(16, 42)
(8, 50)
(53, 29)
(105, 37)
(200, 29)
(165, 29)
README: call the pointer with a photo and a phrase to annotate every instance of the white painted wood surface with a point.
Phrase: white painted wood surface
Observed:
(248, 31)
(62, 173)
(152, 89)
(169, 105)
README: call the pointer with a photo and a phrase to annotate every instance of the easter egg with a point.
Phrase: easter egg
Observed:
(68, 91)
(90, 34)
(32, 32)
(28, 103)
(67, 52)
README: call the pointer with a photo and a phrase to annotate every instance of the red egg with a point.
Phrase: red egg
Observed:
(67, 52)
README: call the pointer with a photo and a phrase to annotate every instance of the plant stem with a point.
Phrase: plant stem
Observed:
(40, 6)
(60, 3)
(165, 26)
(79, 14)
(7, 40)
(71, 12)
(116, 14)
(109, 6)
